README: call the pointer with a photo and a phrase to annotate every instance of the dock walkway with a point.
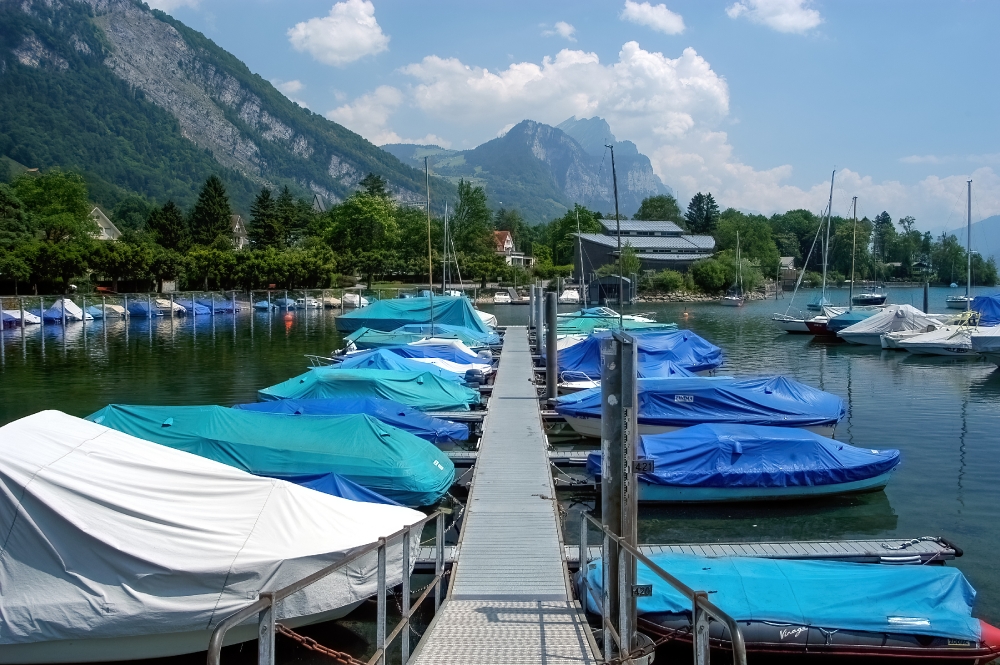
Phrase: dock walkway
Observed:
(510, 600)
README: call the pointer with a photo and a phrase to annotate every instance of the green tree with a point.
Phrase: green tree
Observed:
(471, 226)
(660, 208)
(212, 216)
(168, 227)
(668, 280)
(266, 229)
(755, 236)
(561, 233)
(364, 229)
(15, 224)
(57, 201)
(702, 214)
(709, 275)
(630, 263)
(166, 264)
(119, 260)
(131, 213)
(375, 185)
(883, 236)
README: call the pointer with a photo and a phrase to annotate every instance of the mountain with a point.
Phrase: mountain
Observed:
(138, 101)
(985, 237)
(543, 170)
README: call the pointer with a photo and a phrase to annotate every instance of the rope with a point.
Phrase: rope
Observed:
(313, 645)
(910, 543)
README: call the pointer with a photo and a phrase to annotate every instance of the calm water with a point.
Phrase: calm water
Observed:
(944, 415)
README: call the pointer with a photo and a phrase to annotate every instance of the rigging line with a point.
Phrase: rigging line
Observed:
(805, 264)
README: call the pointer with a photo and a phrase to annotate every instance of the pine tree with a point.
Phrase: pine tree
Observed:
(287, 214)
(212, 215)
(265, 229)
(375, 185)
(169, 228)
(702, 214)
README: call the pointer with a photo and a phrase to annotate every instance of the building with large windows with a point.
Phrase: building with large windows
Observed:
(659, 245)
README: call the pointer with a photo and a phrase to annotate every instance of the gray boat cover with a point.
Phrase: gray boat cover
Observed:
(893, 318)
(107, 535)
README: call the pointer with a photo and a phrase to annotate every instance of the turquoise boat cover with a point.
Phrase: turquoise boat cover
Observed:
(490, 337)
(387, 360)
(421, 390)
(679, 347)
(725, 455)
(362, 449)
(435, 430)
(683, 402)
(849, 318)
(833, 595)
(366, 338)
(988, 308)
(387, 315)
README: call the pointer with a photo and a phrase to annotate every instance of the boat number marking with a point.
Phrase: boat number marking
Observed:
(438, 465)
(644, 466)
(791, 632)
(642, 590)
(684, 398)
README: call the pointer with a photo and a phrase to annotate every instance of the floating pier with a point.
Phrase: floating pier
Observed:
(510, 598)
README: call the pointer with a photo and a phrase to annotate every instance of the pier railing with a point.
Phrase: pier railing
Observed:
(266, 605)
(702, 608)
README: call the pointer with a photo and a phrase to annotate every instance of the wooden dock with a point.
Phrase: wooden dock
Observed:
(510, 599)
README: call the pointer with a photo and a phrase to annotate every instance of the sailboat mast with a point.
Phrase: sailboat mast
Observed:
(826, 245)
(854, 245)
(968, 250)
(579, 246)
(430, 264)
(444, 254)
(618, 224)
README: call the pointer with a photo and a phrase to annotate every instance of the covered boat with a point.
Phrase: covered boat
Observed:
(166, 307)
(489, 320)
(143, 309)
(892, 319)
(571, 382)
(452, 350)
(390, 314)
(953, 341)
(191, 306)
(986, 342)
(12, 317)
(121, 549)
(385, 359)
(588, 320)
(429, 428)
(421, 390)
(362, 449)
(442, 330)
(366, 338)
(988, 308)
(263, 306)
(723, 462)
(658, 350)
(355, 300)
(849, 318)
(284, 303)
(669, 404)
(819, 608)
(107, 311)
(71, 309)
(219, 305)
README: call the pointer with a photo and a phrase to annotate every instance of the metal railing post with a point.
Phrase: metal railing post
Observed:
(41, 312)
(172, 305)
(265, 632)
(380, 612)
(20, 303)
(62, 309)
(625, 601)
(584, 557)
(531, 308)
(149, 307)
(609, 647)
(405, 637)
(699, 631)
(286, 300)
(438, 559)
(551, 348)
(611, 468)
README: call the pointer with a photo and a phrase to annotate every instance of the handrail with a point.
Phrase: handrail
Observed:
(698, 599)
(266, 604)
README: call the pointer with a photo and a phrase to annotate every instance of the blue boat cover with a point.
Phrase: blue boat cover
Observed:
(336, 485)
(681, 347)
(425, 329)
(429, 428)
(140, 308)
(754, 456)
(384, 459)
(199, 310)
(366, 338)
(262, 305)
(988, 308)
(94, 311)
(387, 315)
(221, 305)
(834, 595)
(682, 402)
(849, 318)
(386, 359)
(284, 302)
(421, 390)
(444, 351)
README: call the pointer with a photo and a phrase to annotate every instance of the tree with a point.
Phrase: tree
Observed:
(364, 228)
(471, 227)
(131, 213)
(702, 214)
(662, 207)
(630, 263)
(169, 228)
(58, 202)
(375, 185)
(122, 260)
(166, 264)
(212, 215)
(561, 233)
(756, 241)
(884, 233)
(15, 224)
(668, 280)
(709, 275)
(266, 229)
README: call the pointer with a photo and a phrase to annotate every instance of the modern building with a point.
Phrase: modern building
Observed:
(505, 248)
(106, 230)
(604, 290)
(241, 240)
(659, 245)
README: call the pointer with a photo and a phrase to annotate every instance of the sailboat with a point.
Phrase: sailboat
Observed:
(965, 302)
(853, 314)
(735, 297)
(817, 324)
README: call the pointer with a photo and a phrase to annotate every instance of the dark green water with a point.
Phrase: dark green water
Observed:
(944, 415)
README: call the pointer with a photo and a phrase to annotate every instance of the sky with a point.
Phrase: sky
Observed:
(755, 101)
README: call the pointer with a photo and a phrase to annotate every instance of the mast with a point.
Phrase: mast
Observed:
(739, 265)
(854, 244)
(618, 225)
(444, 254)
(579, 245)
(968, 251)
(826, 245)
(430, 272)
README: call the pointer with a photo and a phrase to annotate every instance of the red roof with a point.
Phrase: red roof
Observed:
(501, 238)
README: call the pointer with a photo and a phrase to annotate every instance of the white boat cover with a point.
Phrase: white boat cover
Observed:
(986, 340)
(164, 303)
(73, 311)
(487, 318)
(355, 300)
(457, 368)
(893, 318)
(569, 297)
(15, 315)
(107, 535)
(946, 338)
(441, 341)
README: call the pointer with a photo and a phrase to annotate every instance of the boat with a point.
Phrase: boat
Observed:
(452, 351)
(489, 320)
(818, 324)
(953, 341)
(501, 298)
(400, 416)
(658, 353)
(12, 317)
(355, 300)
(986, 343)
(790, 324)
(359, 447)
(308, 303)
(965, 302)
(165, 307)
(329, 302)
(852, 316)
(734, 462)
(892, 319)
(106, 311)
(284, 303)
(735, 297)
(366, 338)
(869, 298)
(65, 307)
(820, 302)
(572, 381)
(191, 306)
(421, 390)
(569, 297)
(142, 309)
(115, 554)
(958, 302)
(388, 315)
(823, 610)
(387, 359)
(219, 306)
(668, 404)
(263, 306)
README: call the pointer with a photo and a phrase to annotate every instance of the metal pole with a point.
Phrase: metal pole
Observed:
(551, 349)
(269, 302)
(584, 557)
(406, 596)
(611, 465)
(149, 308)
(62, 308)
(41, 312)
(531, 308)
(265, 633)
(926, 297)
(968, 252)
(286, 300)
(439, 560)
(630, 490)
(380, 610)
(21, 305)
(234, 303)
(172, 306)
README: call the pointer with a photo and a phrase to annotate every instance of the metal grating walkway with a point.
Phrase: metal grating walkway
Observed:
(509, 601)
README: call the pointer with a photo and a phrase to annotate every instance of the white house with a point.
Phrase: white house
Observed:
(505, 248)
(241, 240)
(106, 230)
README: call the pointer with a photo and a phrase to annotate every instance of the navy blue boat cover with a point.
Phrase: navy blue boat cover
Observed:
(988, 308)
(386, 359)
(336, 485)
(443, 351)
(681, 347)
(199, 310)
(387, 315)
(834, 595)
(754, 456)
(682, 402)
(429, 428)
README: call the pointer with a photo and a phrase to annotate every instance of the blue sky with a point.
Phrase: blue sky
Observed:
(754, 100)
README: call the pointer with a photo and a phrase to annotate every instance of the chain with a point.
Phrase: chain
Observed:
(620, 660)
(311, 644)
(910, 543)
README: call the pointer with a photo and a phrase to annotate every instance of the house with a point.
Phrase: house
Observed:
(505, 248)
(319, 204)
(788, 273)
(658, 244)
(241, 240)
(106, 230)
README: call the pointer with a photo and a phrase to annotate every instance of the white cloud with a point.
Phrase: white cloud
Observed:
(657, 17)
(170, 5)
(369, 116)
(348, 33)
(781, 15)
(563, 29)
(290, 89)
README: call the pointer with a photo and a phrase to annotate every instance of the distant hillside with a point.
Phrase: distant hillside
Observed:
(985, 237)
(543, 170)
(138, 101)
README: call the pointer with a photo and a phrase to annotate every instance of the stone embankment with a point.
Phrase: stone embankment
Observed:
(685, 296)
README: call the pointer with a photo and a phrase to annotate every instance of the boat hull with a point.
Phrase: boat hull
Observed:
(790, 325)
(951, 351)
(654, 493)
(591, 427)
(862, 339)
(818, 327)
(869, 300)
(960, 302)
(136, 647)
(732, 302)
